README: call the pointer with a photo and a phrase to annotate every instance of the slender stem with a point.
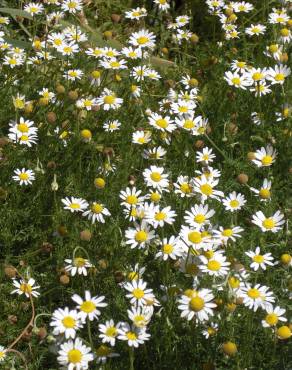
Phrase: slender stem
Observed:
(89, 334)
(131, 353)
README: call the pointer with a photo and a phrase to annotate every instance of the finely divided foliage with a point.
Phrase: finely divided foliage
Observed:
(146, 165)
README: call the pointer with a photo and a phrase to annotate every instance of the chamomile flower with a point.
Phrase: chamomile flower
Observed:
(226, 234)
(265, 157)
(140, 236)
(242, 6)
(143, 39)
(278, 17)
(278, 74)
(23, 176)
(86, 103)
(159, 217)
(136, 13)
(139, 73)
(206, 155)
(210, 331)
(2, 353)
(131, 197)
(75, 204)
(161, 123)
(28, 288)
(140, 316)
(205, 187)
(96, 212)
(255, 29)
(234, 202)
(75, 355)
(162, 4)
(77, 265)
(66, 321)
(141, 137)
(13, 61)
(198, 216)
(264, 193)
(273, 223)
(132, 53)
(260, 260)
(216, 265)
(170, 248)
(138, 294)
(274, 315)
(155, 153)
(239, 66)
(260, 89)
(72, 6)
(156, 178)
(108, 100)
(68, 48)
(109, 332)
(133, 335)
(274, 51)
(183, 107)
(257, 296)
(285, 35)
(195, 239)
(237, 80)
(88, 307)
(73, 74)
(197, 304)
(183, 187)
(113, 64)
(33, 8)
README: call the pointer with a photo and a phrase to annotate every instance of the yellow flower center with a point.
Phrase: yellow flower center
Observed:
(234, 203)
(2, 354)
(131, 335)
(280, 19)
(141, 236)
(279, 77)
(68, 322)
(162, 123)
(265, 193)
(236, 81)
(138, 293)
(74, 356)
(255, 30)
(189, 124)
(206, 189)
(267, 160)
(111, 331)
(227, 232)
(269, 223)
(160, 216)
(87, 306)
(155, 197)
(257, 76)
(114, 64)
(258, 258)
(253, 293)
(74, 205)
(284, 32)
(109, 99)
(183, 109)
(197, 304)
(155, 176)
(24, 176)
(97, 208)
(273, 48)
(234, 282)
(79, 262)
(167, 248)
(133, 275)
(67, 49)
(214, 265)
(131, 199)
(271, 319)
(195, 237)
(72, 4)
(284, 332)
(199, 218)
(25, 288)
(185, 188)
(241, 64)
(142, 40)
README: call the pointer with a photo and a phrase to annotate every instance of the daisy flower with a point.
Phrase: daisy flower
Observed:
(236, 80)
(255, 29)
(234, 202)
(109, 332)
(260, 260)
(205, 156)
(141, 137)
(285, 35)
(278, 17)
(143, 39)
(197, 304)
(161, 123)
(2, 353)
(183, 107)
(239, 66)
(131, 197)
(216, 265)
(140, 236)
(132, 53)
(155, 178)
(28, 288)
(159, 217)
(205, 187)
(66, 321)
(75, 355)
(273, 223)
(23, 176)
(242, 6)
(108, 100)
(195, 239)
(72, 6)
(210, 331)
(274, 315)
(87, 103)
(139, 73)
(155, 153)
(33, 8)
(88, 307)
(68, 48)
(78, 265)
(265, 157)
(96, 212)
(183, 187)
(264, 193)
(162, 4)
(257, 296)
(228, 234)
(198, 216)
(138, 294)
(136, 13)
(73, 74)
(111, 126)
(278, 73)
(140, 316)
(274, 51)
(75, 204)
(133, 335)
(170, 248)
(113, 64)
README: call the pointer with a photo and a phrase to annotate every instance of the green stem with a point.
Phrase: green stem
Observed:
(89, 334)
(131, 353)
